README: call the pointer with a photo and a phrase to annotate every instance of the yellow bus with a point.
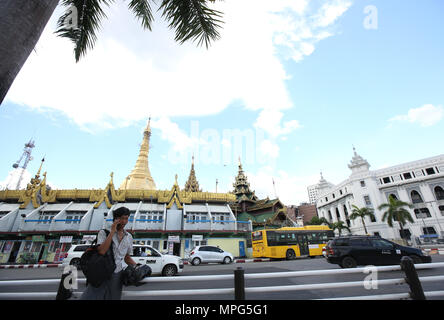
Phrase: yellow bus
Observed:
(289, 242)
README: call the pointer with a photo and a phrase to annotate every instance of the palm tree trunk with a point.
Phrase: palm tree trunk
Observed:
(363, 223)
(21, 25)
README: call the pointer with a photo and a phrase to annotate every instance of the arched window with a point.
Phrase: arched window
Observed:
(330, 218)
(416, 197)
(393, 196)
(439, 193)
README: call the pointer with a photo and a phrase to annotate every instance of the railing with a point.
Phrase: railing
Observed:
(411, 279)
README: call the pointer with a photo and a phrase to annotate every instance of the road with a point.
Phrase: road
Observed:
(258, 267)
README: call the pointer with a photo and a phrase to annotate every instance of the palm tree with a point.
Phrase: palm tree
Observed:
(339, 226)
(22, 23)
(362, 213)
(396, 211)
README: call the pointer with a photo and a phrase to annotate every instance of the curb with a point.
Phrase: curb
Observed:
(251, 260)
(27, 266)
(241, 261)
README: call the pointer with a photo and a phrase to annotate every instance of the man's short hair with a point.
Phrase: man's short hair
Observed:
(122, 211)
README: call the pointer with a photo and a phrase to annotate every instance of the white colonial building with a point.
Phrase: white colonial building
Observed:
(420, 183)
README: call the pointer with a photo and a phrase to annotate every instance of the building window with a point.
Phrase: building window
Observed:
(416, 197)
(386, 180)
(340, 192)
(441, 209)
(439, 193)
(367, 201)
(362, 183)
(330, 217)
(429, 230)
(326, 199)
(407, 175)
(430, 171)
(393, 196)
(422, 213)
(334, 196)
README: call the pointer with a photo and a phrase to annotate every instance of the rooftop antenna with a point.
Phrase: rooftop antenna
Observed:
(274, 188)
(26, 157)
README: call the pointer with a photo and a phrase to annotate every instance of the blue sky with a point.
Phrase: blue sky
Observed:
(298, 84)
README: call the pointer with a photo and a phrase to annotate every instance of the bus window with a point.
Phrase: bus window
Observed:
(272, 238)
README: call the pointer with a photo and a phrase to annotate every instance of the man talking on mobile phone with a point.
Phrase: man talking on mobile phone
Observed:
(122, 246)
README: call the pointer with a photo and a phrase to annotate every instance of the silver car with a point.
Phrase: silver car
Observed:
(206, 254)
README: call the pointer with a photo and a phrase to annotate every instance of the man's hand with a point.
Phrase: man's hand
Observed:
(114, 226)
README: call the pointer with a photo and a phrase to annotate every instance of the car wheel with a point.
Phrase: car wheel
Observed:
(75, 262)
(196, 262)
(290, 255)
(416, 259)
(169, 270)
(348, 262)
(227, 260)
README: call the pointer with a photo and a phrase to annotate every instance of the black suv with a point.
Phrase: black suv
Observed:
(350, 251)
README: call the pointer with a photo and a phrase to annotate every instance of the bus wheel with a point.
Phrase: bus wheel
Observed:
(290, 255)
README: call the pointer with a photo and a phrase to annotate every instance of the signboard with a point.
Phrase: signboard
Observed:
(65, 239)
(197, 237)
(170, 247)
(88, 238)
(38, 238)
(174, 239)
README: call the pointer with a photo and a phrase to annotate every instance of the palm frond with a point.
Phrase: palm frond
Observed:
(90, 15)
(142, 11)
(192, 20)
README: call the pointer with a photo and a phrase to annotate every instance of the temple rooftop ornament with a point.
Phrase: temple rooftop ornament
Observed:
(192, 184)
(358, 164)
(140, 177)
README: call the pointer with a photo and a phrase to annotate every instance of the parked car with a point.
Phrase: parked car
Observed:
(206, 254)
(72, 257)
(350, 251)
(163, 264)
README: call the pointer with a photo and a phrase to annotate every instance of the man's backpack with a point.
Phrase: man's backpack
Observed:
(97, 268)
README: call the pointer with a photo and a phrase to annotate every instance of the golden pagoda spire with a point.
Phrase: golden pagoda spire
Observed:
(192, 185)
(140, 177)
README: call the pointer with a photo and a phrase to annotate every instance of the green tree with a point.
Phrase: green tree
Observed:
(318, 221)
(362, 213)
(339, 226)
(395, 211)
(22, 23)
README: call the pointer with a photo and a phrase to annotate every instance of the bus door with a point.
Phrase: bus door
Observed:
(303, 244)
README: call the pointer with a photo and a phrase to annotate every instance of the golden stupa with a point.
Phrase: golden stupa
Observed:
(140, 177)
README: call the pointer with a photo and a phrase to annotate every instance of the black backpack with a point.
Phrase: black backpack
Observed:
(96, 267)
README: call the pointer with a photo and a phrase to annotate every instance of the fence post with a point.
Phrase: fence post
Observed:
(416, 291)
(239, 284)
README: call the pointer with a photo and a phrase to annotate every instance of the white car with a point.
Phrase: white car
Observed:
(72, 257)
(163, 264)
(205, 254)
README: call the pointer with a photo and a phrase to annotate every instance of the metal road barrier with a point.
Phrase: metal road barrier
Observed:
(239, 290)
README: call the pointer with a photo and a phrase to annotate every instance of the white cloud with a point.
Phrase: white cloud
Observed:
(426, 115)
(13, 178)
(131, 73)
